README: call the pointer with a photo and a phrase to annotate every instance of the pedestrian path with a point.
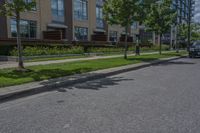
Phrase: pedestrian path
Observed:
(14, 64)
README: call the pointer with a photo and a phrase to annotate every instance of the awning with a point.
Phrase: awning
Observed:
(99, 30)
(53, 25)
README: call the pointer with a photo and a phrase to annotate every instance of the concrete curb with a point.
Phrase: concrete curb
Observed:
(14, 92)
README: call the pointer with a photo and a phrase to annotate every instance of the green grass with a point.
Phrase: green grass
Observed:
(9, 77)
(55, 58)
(81, 56)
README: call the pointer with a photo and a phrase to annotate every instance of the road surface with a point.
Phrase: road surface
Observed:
(162, 98)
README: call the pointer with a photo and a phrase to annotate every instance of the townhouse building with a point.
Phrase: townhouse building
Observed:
(71, 20)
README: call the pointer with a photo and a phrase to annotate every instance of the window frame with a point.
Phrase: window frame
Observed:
(28, 28)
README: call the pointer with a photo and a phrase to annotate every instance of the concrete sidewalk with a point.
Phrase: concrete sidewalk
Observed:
(14, 92)
(14, 64)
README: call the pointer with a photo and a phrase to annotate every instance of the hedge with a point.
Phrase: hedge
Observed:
(62, 50)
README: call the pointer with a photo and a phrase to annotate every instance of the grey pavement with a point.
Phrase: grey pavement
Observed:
(14, 64)
(162, 98)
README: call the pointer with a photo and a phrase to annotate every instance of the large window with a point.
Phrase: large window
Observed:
(99, 14)
(58, 11)
(80, 9)
(27, 28)
(81, 34)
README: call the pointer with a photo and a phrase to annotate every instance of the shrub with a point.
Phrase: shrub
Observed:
(5, 49)
(41, 50)
(155, 48)
(61, 50)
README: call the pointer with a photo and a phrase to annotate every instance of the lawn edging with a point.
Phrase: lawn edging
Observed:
(18, 91)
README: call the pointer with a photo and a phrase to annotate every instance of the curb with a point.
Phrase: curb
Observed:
(19, 91)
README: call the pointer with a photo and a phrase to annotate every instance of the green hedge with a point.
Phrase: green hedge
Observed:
(61, 50)
(5, 49)
(43, 50)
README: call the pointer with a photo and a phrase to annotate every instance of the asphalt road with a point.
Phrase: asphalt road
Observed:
(163, 98)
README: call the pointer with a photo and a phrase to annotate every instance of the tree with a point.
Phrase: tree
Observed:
(15, 8)
(144, 7)
(182, 31)
(195, 32)
(121, 12)
(160, 18)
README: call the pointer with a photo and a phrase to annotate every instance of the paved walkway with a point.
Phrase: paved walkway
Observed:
(14, 64)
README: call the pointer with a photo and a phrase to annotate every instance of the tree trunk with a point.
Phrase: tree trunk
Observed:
(176, 32)
(19, 45)
(160, 44)
(126, 43)
(178, 38)
(154, 38)
(137, 47)
(171, 37)
(189, 26)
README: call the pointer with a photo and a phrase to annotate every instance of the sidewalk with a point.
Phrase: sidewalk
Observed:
(14, 64)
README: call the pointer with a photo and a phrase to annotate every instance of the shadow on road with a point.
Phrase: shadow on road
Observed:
(100, 83)
(175, 63)
(91, 85)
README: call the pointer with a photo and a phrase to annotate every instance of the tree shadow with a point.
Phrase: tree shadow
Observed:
(175, 62)
(96, 84)
(100, 83)
(142, 59)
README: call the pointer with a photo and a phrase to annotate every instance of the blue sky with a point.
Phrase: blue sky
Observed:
(197, 11)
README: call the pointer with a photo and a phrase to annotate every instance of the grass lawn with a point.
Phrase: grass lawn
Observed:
(81, 56)
(10, 77)
(55, 58)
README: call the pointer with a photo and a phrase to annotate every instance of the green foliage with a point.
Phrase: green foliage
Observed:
(16, 7)
(161, 17)
(182, 31)
(143, 8)
(40, 50)
(60, 50)
(121, 12)
(5, 49)
(155, 48)
(195, 32)
(105, 50)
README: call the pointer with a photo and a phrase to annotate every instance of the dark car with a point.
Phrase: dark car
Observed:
(194, 50)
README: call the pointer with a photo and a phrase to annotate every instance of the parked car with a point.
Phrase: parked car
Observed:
(194, 50)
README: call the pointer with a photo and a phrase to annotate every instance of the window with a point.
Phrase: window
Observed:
(113, 36)
(81, 9)
(57, 7)
(134, 25)
(27, 28)
(99, 17)
(81, 34)
(99, 14)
